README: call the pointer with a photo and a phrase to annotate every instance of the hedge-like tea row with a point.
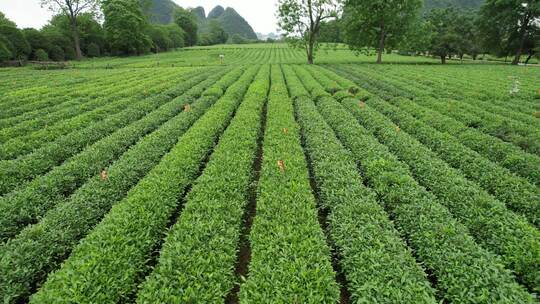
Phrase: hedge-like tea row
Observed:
(55, 119)
(51, 100)
(49, 116)
(290, 260)
(515, 132)
(25, 144)
(18, 106)
(493, 148)
(196, 263)
(517, 193)
(488, 220)
(24, 206)
(109, 263)
(465, 272)
(33, 120)
(14, 173)
(478, 97)
(39, 249)
(372, 253)
(504, 128)
(505, 154)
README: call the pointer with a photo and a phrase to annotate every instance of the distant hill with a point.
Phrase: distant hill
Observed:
(229, 19)
(159, 11)
(465, 4)
(233, 23)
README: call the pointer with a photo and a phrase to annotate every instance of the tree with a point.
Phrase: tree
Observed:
(418, 39)
(125, 27)
(160, 38)
(41, 55)
(215, 35)
(186, 21)
(300, 21)
(61, 45)
(37, 40)
(378, 23)
(72, 9)
(18, 45)
(465, 26)
(176, 34)
(331, 32)
(445, 39)
(89, 30)
(5, 53)
(237, 39)
(6, 21)
(93, 50)
(510, 25)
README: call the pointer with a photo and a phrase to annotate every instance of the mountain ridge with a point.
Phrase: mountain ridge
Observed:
(161, 12)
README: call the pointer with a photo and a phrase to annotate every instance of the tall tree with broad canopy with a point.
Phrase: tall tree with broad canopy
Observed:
(445, 38)
(378, 23)
(72, 9)
(124, 27)
(187, 21)
(510, 25)
(300, 21)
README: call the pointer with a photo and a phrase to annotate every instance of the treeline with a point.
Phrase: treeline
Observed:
(112, 28)
(502, 28)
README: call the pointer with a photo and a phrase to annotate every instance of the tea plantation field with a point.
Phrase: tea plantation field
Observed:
(178, 178)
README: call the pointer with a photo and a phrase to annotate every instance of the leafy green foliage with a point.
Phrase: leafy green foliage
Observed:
(41, 55)
(378, 24)
(120, 245)
(187, 22)
(510, 26)
(462, 4)
(216, 202)
(370, 249)
(124, 25)
(77, 216)
(437, 238)
(5, 52)
(286, 234)
(18, 45)
(300, 21)
(215, 34)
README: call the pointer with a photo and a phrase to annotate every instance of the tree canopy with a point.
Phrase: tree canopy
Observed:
(300, 21)
(124, 27)
(186, 20)
(377, 23)
(72, 9)
(510, 26)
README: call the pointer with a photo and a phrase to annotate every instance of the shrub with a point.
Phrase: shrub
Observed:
(56, 53)
(41, 55)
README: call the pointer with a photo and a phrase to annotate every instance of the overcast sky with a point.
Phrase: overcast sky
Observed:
(259, 13)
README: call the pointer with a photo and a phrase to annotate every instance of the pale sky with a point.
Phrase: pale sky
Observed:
(259, 13)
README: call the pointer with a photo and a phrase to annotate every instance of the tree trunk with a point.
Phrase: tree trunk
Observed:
(443, 59)
(381, 44)
(529, 57)
(522, 42)
(310, 52)
(76, 38)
